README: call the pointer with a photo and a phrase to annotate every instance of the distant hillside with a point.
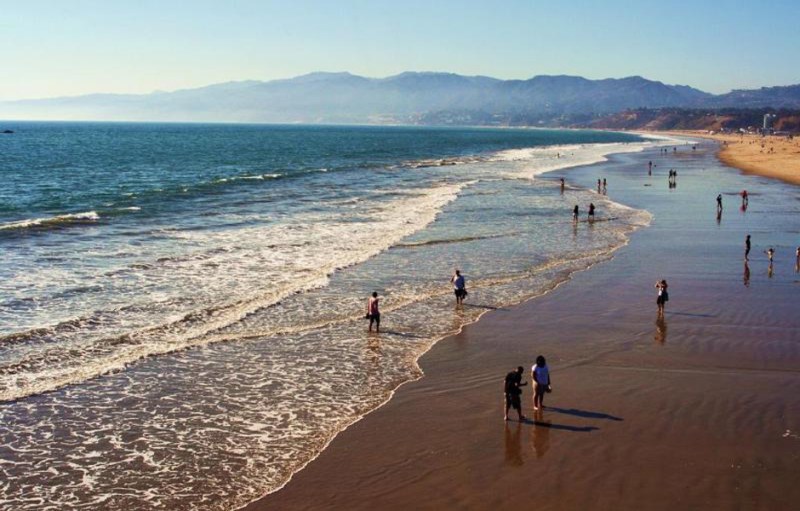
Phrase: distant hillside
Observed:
(407, 98)
(694, 119)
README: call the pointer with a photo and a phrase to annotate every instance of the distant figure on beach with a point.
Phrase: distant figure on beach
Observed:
(797, 260)
(747, 248)
(663, 295)
(650, 168)
(590, 217)
(604, 185)
(719, 202)
(598, 186)
(745, 198)
(373, 313)
(770, 253)
(513, 392)
(541, 375)
(575, 213)
(459, 287)
(562, 185)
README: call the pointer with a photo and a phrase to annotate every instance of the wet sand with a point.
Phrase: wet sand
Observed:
(775, 157)
(700, 410)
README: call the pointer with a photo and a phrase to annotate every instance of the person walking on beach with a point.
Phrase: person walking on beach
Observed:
(373, 313)
(650, 168)
(590, 217)
(770, 253)
(459, 287)
(541, 375)
(598, 186)
(747, 248)
(513, 392)
(663, 295)
(605, 187)
(719, 203)
(575, 213)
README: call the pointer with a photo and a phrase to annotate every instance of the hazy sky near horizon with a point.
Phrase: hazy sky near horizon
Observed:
(60, 48)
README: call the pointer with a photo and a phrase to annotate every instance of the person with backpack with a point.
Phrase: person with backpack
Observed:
(513, 392)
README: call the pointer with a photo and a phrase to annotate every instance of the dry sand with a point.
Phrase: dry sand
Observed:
(773, 156)
(698, 411)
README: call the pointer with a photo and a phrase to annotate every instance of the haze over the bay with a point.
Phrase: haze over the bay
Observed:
(56, 49)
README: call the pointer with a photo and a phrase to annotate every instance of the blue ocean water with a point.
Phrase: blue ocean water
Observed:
(125, 245)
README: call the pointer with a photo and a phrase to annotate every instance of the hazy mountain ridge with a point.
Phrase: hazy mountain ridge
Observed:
(409, 97)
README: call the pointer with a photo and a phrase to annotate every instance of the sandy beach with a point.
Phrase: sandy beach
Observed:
(700, 409)
(777, 157)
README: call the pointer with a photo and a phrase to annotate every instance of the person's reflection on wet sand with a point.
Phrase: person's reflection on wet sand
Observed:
(513, 444)
(770, 270)
(719, 216)
(540, 438)
(746, 276)
(661, 329)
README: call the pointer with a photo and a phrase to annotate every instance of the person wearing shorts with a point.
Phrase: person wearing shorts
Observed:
(541, 375)
(373, 313)
(513, 392)
(459, 287)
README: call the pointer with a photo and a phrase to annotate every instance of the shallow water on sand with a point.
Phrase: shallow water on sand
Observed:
(185, 331)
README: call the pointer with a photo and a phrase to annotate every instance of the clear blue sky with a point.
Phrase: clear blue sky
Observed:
(55, 48)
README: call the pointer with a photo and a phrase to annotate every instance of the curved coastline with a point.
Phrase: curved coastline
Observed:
(412, 398)
(565, 166)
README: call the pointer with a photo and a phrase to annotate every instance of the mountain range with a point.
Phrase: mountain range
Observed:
(407, 98)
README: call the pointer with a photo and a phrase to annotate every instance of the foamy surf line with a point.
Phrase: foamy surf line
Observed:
(53, 221)
(579, 264)
(545, 159)
(49, 368)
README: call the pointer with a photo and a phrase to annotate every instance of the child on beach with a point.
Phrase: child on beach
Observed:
(513, 392)
(373, 313)
(541, 375)
(663, 296)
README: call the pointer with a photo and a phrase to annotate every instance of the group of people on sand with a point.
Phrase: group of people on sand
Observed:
(512, 387)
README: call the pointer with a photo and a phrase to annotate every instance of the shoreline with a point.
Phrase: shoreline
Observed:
(773, 157)
(407, 398)
(564, 166)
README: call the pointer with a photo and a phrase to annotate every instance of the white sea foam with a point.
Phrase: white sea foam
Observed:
(217, 427)
(53, 221)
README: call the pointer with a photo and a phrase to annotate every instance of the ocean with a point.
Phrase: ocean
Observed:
(182, 306)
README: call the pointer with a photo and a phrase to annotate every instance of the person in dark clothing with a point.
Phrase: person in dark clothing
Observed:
(513, 392)
(746, 247)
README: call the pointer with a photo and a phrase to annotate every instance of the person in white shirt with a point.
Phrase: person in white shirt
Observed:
(541, 375)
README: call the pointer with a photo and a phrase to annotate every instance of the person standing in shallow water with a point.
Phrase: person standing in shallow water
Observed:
(374, 313)
(590, 217)
(575, 213)
(663, 295)
(747, 248)
(513, 392)
(459, 287)
(541, 375)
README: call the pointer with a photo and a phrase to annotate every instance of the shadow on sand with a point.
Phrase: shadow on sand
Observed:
(584, 413)
(479, 306)
(562, 427)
